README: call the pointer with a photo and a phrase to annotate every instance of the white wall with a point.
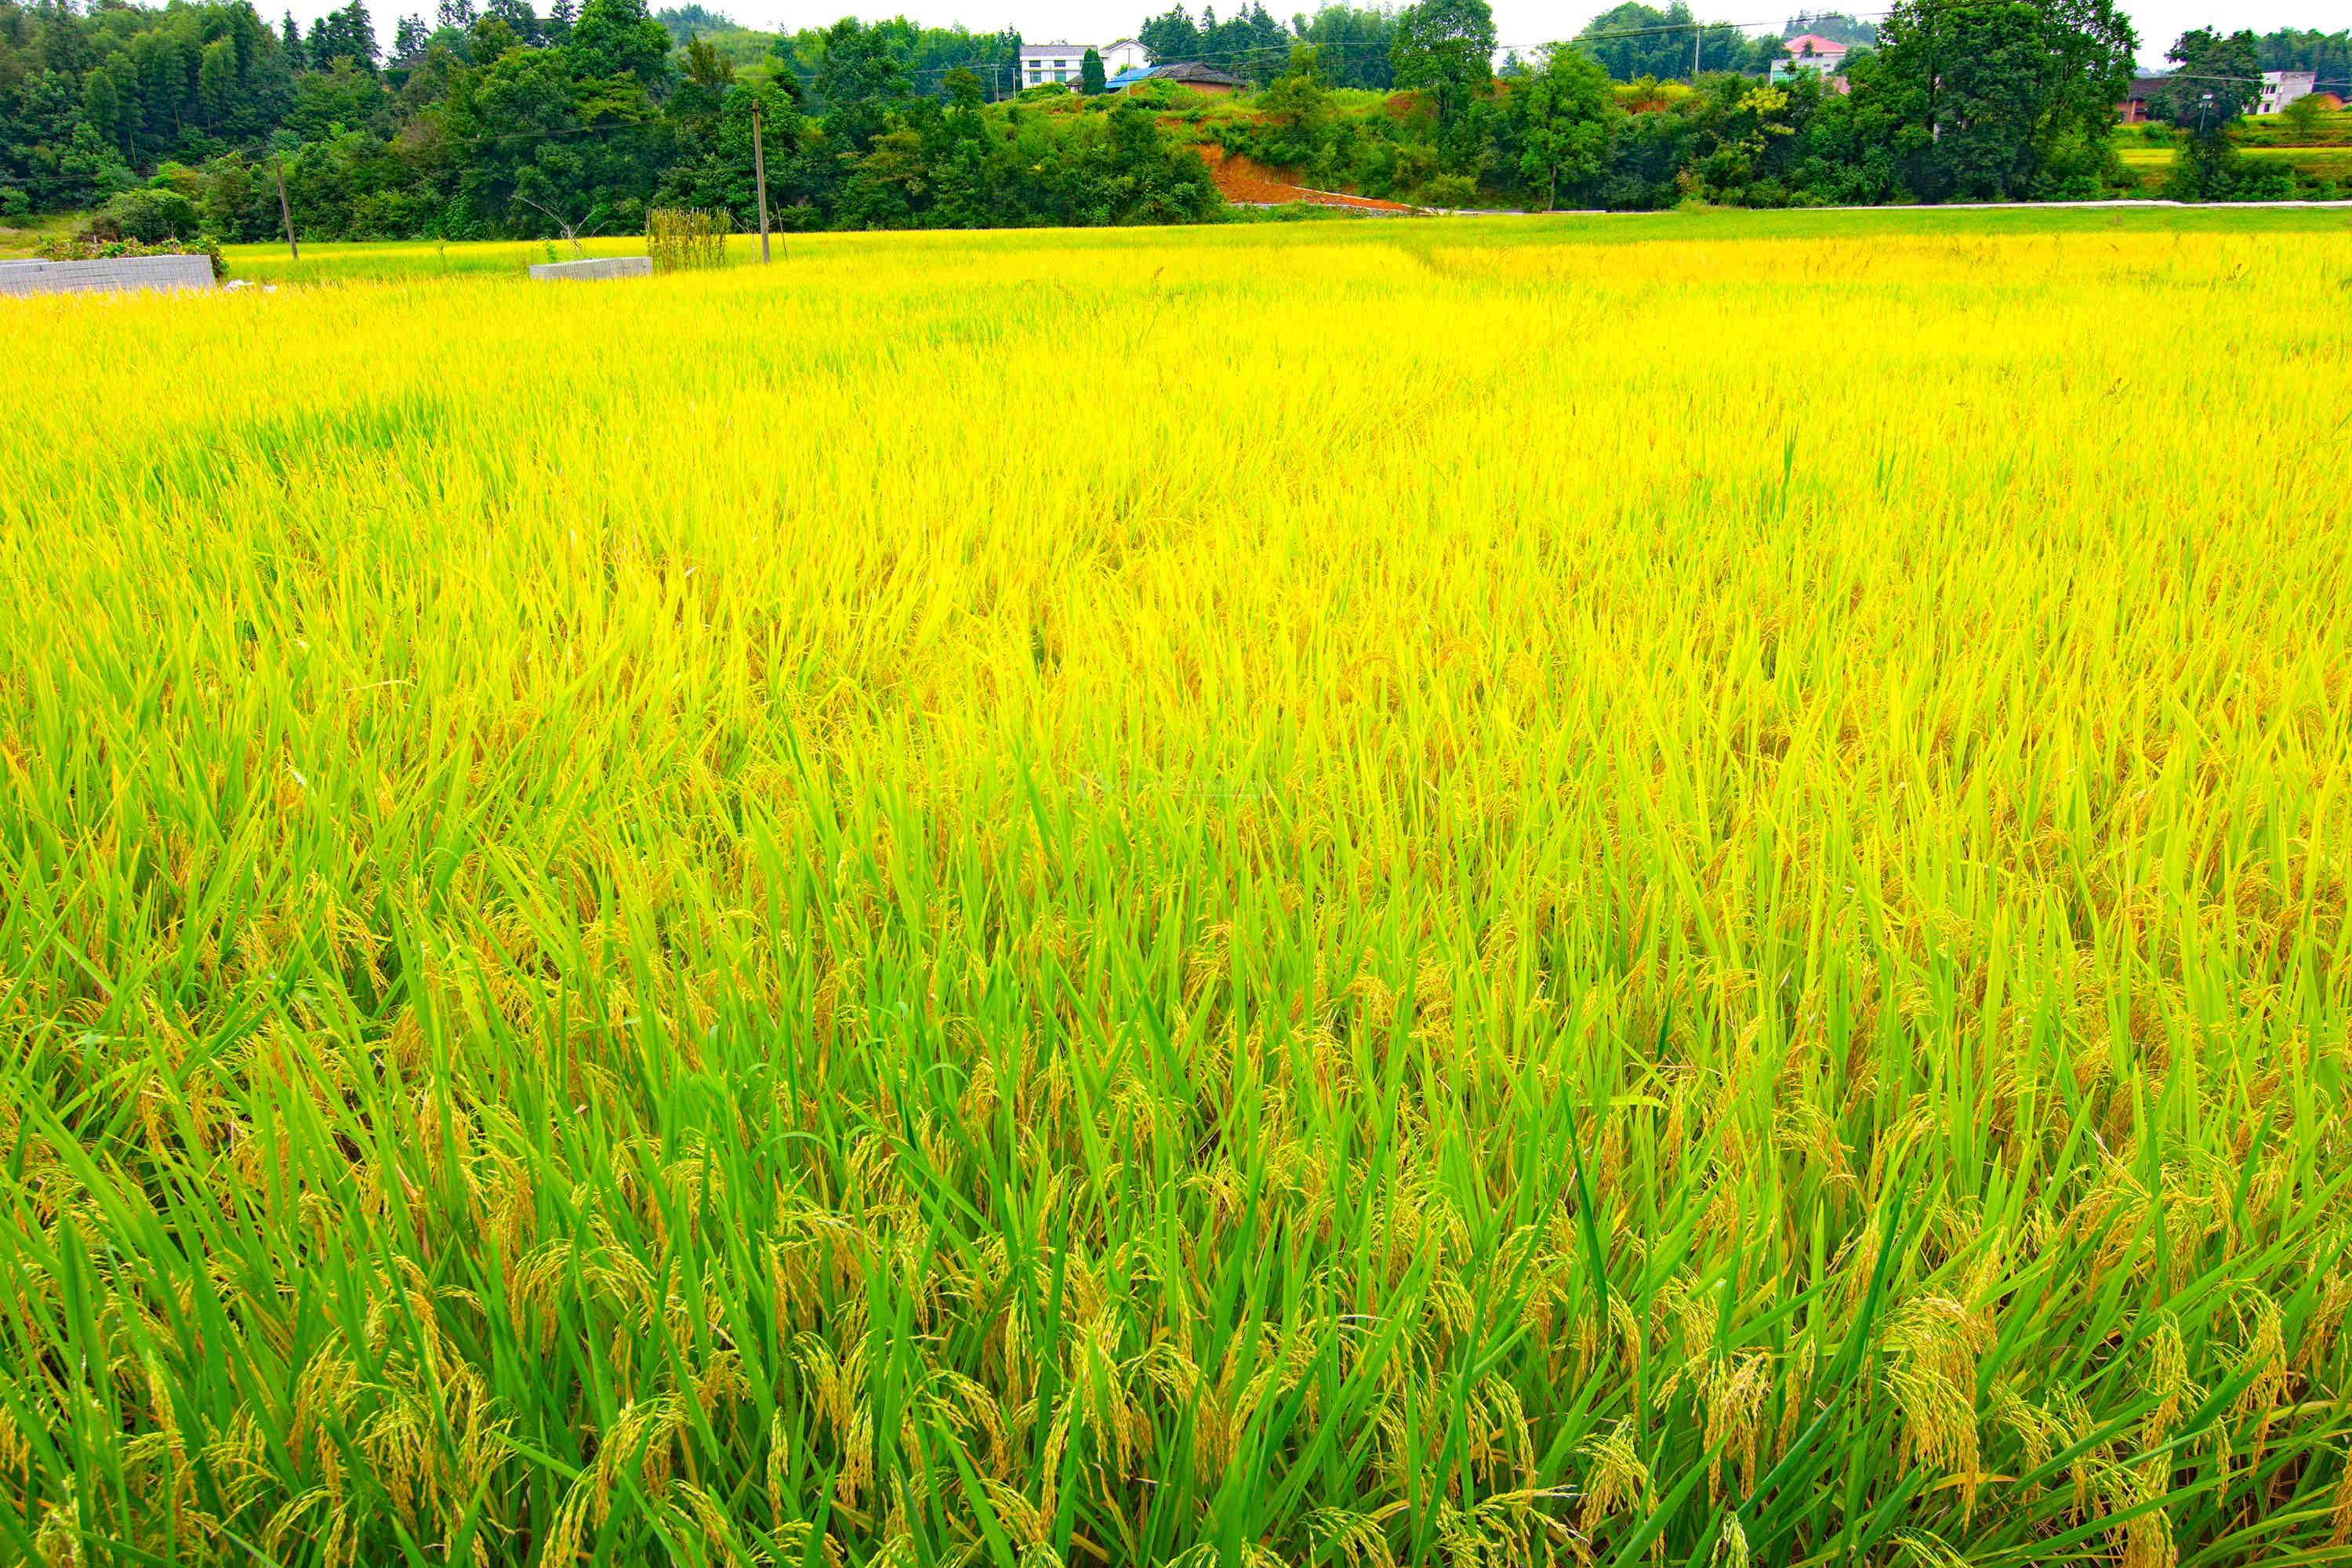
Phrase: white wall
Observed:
(108, 276)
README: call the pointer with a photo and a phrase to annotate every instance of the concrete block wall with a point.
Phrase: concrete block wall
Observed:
(591, 272)
(109, 274)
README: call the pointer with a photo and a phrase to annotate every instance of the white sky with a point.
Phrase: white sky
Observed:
(1522, 23)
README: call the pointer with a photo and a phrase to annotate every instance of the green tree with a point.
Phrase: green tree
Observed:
(1563, 114)
(1447, 48)
(1171, 36)
(1351, 45)
(1090, 74)
(1997, 99)
(1632, 40)
(2216, 77)
(101, 105)
(615, 37)
(409, 39)
(861, 78)
(1296, 111)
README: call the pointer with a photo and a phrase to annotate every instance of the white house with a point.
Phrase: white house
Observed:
(1811, 52)
(1042, 63)
(2283, 87)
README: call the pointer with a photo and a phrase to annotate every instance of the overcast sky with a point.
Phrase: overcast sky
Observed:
(1522, 23)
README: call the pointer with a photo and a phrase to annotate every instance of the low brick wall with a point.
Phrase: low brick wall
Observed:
(593, 270)
(107, 276)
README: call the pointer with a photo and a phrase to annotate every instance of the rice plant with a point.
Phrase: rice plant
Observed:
(1312, 895)
(684, 239)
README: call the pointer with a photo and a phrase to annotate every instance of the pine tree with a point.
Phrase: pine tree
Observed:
(103, 107)
(409, 39)
(517, 14)
(358, 37)
(560, 17)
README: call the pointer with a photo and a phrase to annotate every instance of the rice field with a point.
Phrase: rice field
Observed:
(1651, 892)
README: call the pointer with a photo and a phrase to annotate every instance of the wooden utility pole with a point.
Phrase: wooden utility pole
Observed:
(760, 177)
(285, 212)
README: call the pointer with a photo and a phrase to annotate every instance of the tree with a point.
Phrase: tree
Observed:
(101, 105)
(1563, 114)
(1999, 100)
(516, 15)
(1297, 113)
(859, 80)
(1169, 36)
(1836, 26)
(1351, 45)
(2301, 116)
(345, 34)
(616, 37)
(409, 39)
(1090, 74)
(1448, 48)
(2217, 77)
(2328, 54)
(1632, 40)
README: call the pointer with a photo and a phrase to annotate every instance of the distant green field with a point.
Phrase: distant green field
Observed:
(2315, 163)
(405, 260)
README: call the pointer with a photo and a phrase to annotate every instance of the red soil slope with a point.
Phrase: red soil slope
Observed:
(1246, 181)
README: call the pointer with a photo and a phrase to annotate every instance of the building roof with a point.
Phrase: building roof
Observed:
(1121, 44)
(1028, 49)
(1194, 73)
(2142, 86)
(1815, 44)
(1128, 78)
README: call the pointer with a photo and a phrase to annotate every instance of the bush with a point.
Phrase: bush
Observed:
(1449, 191)
(87, 246)
(149, 217)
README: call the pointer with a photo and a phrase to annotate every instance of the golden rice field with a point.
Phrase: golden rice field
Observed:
(1651, 892)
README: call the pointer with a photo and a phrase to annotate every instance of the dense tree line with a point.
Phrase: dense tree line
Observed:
(498, 120)
(1942, 101)
(1961, 100)
(504, 122)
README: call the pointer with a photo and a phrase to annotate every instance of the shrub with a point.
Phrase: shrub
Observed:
(88, 247)
(1449, 191)
(149, 215)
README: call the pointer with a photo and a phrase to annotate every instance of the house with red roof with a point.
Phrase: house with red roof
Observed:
(1811, 52)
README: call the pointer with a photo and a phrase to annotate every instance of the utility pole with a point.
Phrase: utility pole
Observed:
(284, 211)
(760, 177)
(1697, 32)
